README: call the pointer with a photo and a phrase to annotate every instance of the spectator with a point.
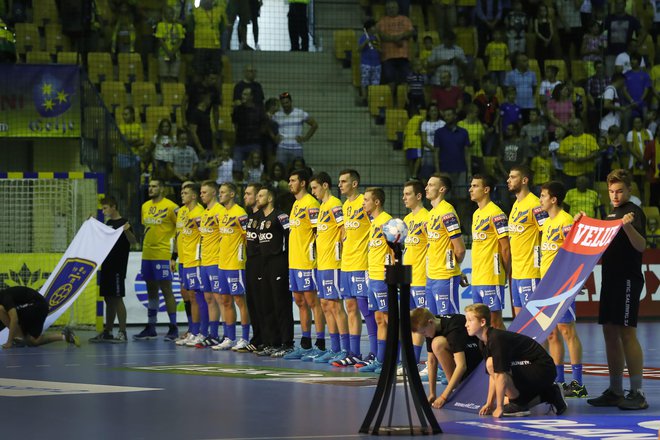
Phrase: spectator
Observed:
(593, 44)
(570, 28)
(184, 158)
(524, 81)
(489, 114)
(578, 152)
(124, 33)
(131, 129)
(622, 62)
(370, 69)
(576, 98)
(249, 82)
(250, 122)
(446, 57)
(298, 29)
(476, 133)
(223, 165)
(543, 28)
(548, 84)
(446, 96)
(542, 167)
(620, 28)
(416, 81)
(427, 132)
(253, 167)
(162, 147)
(291, 122)
(452, 144)
(170, 35)
(652, 233)
(553, 148)
(497, 57)
(81, 25)
(208, 20)
(612, 104)
(395, 32)
(638, 87)
(276, 179)
(516, 23)
(269, 138)
(425, 52)
(535, 132)
(255, 11)
(612, 152)
(583, 199)
(560, 109)
(636, 141)
(243, 10)
(412, 144)
(466, 35)
(513, 151)
(510, 112)
(488, 14)
(595, 87)
(199, 126)
(207, 89)
(445, 15)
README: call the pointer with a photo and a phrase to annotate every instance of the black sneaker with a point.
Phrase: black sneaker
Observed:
(608, 398)
(265, 351)
(574, 389)
(70, 337)
(513, 409)
(104, 336)
(634, 400)
(555, 397)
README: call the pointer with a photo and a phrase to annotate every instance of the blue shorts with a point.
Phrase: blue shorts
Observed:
(354, 284)
(210, 278)
(418, 297)
(413, 153)
(522, 290)
(492, 296)
(445, 294)
(156, 270)
(569, 316)
(190, 278)
(377, 295)
(328, 281)
(232, 282)
(302, 280)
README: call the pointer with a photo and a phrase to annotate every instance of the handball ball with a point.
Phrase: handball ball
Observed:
(395, 231)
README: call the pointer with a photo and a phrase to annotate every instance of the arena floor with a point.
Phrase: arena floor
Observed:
(155, 390)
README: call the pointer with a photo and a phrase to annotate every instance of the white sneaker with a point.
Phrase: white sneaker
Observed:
(195, 340)
(226, 344)
(241, 345)
(184, 341)
(424, 372)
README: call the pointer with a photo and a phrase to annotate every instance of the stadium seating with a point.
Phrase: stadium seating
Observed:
(55, 39)
(44, 12)
(227, 93)
(130, 67)
(651, 211)
(395, 124)
(27, 37)
(578, 71)
(559, 64)
(99, 67)
(401, 95)
(114, 95)
(173, 94)
(380, 98)
(345, 43)
(38, 57)
(144, 95)
(68, 58)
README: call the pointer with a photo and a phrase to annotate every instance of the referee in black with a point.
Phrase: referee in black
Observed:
(273, 246)
(253, 265)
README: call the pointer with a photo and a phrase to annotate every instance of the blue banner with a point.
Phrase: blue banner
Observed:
(570, 269)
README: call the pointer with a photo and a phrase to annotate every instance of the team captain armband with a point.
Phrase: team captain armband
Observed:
(451, 223)
(501, 224)
(313, 215)
(338, 214)
(284, 220)
(540, 215)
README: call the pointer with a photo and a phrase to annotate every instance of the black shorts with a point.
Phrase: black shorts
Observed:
(532, 380)
(112, 284)
(31, 317)
(395, 70)
(619, 301)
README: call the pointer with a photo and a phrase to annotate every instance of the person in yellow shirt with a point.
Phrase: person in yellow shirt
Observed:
(525, 222)
(159, 221)
(476, 134)
(208, 19)
(302, 264)
(584, 199)
(170, 35)
(542, 168)
(354, 271)
(329, 233)
(578, 152)
(231, 269)
(555, 230)
(187, 247)
(378, 256)
(491, 254)
(412, 144)
(209, 229)
(497, 54)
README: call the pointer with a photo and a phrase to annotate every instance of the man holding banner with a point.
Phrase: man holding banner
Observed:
(620, 293)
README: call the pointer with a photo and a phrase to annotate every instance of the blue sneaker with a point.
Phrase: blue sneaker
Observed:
(149, 332)
(342, 354)
(372, 367)
(325, 357)
(296, 354)
(348, 361)
(367, 360)
(441, 377)
(172, 334)
(313, 354)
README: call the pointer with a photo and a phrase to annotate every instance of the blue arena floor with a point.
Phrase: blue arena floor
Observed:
(155, 390)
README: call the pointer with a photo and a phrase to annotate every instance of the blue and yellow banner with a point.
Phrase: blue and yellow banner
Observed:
(39, 101)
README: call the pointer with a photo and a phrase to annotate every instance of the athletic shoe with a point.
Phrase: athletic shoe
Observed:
(348, 361)
(149, 332)
(297, 354)
(608, 398)
(338, 356)
(183, 340)
(226, 344)
(121, 338)
(266, 351)
(208, 341)
(281, 352)
(367, 360)
(512, 409)
(240, 346)
(19, 343)
(371, 367)
(172, 333)
(196, 339)
(441, 377)
(182, 337)
(555, 397)
(104, 336)
(70, 336)
(250, 348)
(634, 400)
(316, 352)
(325, 357)
(574, 389)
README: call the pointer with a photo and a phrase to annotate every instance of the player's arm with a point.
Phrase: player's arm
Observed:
(459, 248)
(499, 379)
(488, 406)
(130, 236)
(10, 320)
(637, 240)
(459, 371)
(432, 366)
(505, 252)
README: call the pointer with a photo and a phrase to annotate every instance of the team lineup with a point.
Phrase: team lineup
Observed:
(331, 256)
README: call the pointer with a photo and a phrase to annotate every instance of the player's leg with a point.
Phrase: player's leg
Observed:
(555, 346)
(634, 357)
(170, 304)
(228, 312)
(110, 314)
(440, 347)
(243, 342)
(569, 333)
(210, 285)
(312, 300)
(378, 303)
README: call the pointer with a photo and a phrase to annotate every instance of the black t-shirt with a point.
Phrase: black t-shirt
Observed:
(195, 92)
(250, 124)
(452, 327)
(620, 29)
(621, 258)
(274, 233)
(203, 122)
(257, 91)
(117, 259)
(19, 298)
(252, 247)
(509, 349)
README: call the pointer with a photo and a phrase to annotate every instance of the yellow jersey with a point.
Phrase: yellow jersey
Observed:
(555, 231)
(416, 245)
(187, 235)
(489, 224)
(578, 147)
(379, 253)
(159, 220)
(207, 25)
(328, 230)
(356, 244)
(209, 229)
(498, 56)
(302, 221)
(233, 232)
(442, 227)
(525, 223)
